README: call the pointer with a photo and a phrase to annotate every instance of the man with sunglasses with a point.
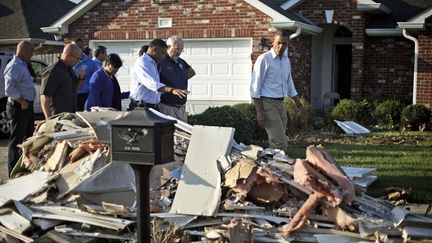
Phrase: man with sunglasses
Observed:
(145, 85)
(59, 83)
(174, 72)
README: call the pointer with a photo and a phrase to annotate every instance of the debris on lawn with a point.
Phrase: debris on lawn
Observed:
(65, 187)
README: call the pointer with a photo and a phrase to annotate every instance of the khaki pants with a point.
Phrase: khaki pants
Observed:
(176, 112)
(276, 122)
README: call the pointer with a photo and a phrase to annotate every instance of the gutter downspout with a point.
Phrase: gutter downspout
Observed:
(296, 33)
(416, 51)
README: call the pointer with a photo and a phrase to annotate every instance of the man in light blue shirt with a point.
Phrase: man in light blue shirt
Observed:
(271, 83)
(145, 85)
(20, 92)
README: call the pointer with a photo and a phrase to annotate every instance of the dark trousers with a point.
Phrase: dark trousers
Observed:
(22, 126)
(81, 100)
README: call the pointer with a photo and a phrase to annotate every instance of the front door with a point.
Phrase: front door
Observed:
(342, 70)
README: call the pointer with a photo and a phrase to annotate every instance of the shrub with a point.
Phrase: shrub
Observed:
(351, 110)
(225, 116)
(415, 117)
(298, 121)
(387, 113)
(249, 113)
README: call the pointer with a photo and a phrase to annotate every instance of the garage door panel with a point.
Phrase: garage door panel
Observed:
(223, 69)
(201, 68)
(241, 90)
(199, 89)
(241, 69)
(221, 90)
(220, 69)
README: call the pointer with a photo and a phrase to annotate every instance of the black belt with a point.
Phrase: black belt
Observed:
(271, 98)
(174, 105)
(141, 103)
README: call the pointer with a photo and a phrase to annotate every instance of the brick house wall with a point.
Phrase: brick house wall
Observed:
(381, 66)
(347, 15)
(131, 20)
(424, 78)
(389, 68)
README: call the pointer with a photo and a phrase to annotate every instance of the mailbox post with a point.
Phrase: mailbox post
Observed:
(142, 139)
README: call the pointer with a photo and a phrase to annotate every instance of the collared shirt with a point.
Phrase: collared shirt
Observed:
(145, 81)
(18, 81)
(271, 76)
(59, 82)
(173, 73)
(99, 63)
(89, 66)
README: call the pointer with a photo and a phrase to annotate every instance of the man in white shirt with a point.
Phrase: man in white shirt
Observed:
(271, 83)
(145, 86)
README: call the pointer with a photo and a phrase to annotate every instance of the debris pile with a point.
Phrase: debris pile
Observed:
(66, 187)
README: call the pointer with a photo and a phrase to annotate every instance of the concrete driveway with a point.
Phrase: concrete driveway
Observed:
(3, 159)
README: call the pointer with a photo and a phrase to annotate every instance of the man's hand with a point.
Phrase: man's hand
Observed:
(24, 104)
(261, 120)
(180, 92)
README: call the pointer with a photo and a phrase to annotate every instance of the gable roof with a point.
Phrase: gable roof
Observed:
(401, 11)
(61, 26)
(284, 19)
(22, 19)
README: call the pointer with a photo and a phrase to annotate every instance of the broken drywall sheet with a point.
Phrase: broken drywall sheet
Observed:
(200, 175)
(73, 173)
(365, 181)
(350, 127)
(99, 122)
(19, 188)
(356, 172)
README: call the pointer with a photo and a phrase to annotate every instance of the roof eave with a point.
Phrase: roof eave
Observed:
(373, 8)
(61, 26)
(293, 25)
(384, 32)
(413, 26)
(34, 41)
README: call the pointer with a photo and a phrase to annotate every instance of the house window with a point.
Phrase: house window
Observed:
(164, 22)
(342, 32)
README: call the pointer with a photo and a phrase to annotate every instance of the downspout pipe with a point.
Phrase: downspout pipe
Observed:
(416, 52)
(296, 33)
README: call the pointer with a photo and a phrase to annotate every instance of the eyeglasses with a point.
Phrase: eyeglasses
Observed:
(178, 50)
(78, 58)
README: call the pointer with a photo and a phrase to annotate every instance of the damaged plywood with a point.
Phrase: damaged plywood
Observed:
(200, 175)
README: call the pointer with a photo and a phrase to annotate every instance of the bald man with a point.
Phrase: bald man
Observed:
(20, 92)
(59, 83)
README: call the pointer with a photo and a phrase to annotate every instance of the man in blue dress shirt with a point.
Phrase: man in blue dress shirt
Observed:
(20, 92)
(175, 72)
(145, 85)
(271, 83)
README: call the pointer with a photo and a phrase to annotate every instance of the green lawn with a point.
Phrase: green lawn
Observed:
(401, 160)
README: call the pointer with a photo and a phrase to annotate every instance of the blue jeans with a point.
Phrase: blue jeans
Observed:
(22, 126)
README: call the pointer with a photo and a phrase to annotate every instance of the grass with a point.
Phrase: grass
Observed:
(403, 161)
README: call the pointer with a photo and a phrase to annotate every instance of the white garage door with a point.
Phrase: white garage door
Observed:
(223, 68)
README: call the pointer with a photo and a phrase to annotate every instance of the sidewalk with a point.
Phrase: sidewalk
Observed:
(3, 159)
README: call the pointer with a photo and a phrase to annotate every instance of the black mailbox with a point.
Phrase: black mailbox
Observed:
(142, 139)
